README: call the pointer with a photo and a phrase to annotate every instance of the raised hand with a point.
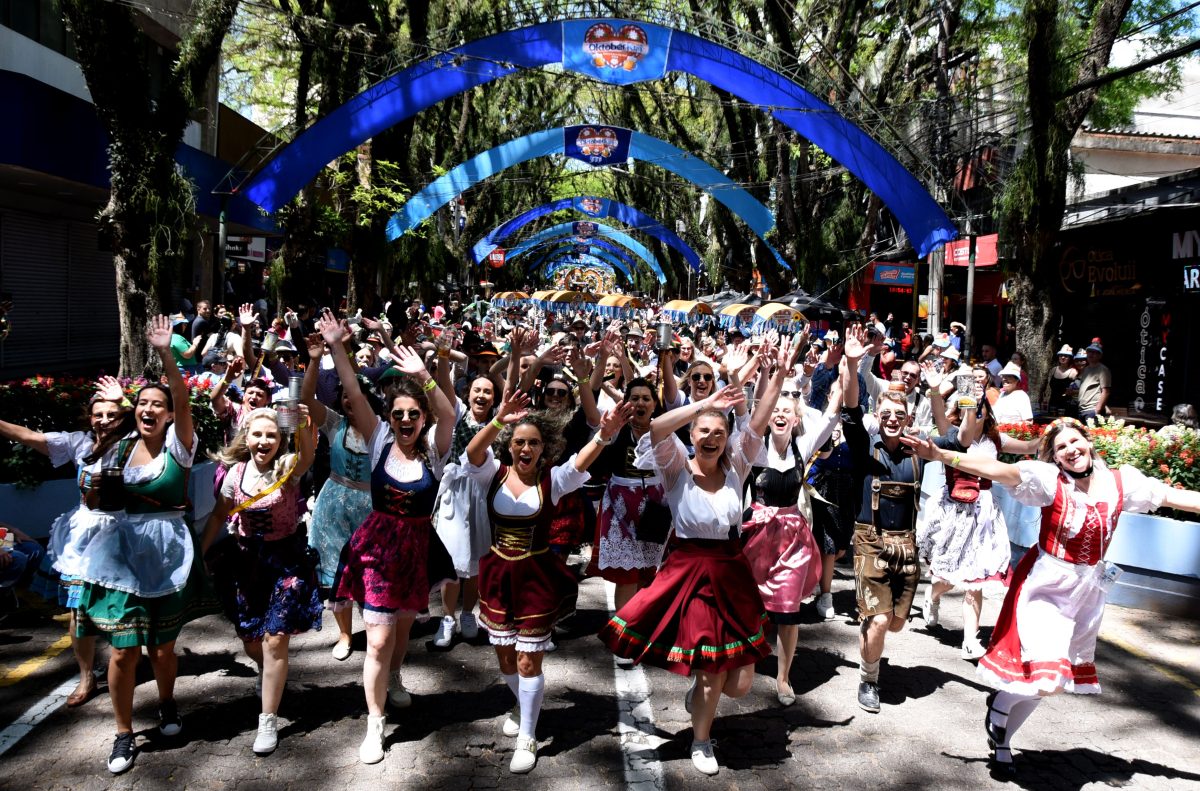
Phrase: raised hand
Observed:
(246, 315)
(614, 419)
(581, 366)
(933, 377)
(727, 397)
(315, 344)
(554, 355)
(408, 361)
(856, 342)
(513, 407)
(109, 389)
(158, 332)
(329, 328)
(236, 366)
(921, 446)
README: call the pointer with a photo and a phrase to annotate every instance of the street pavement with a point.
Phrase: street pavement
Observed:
(607, 727)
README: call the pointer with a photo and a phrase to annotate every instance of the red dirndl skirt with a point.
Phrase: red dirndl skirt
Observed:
(392, 563)
(568, 526)
(527, 595)
(702, 612)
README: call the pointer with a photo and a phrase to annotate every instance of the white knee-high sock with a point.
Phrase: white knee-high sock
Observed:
(1017, 716)
(511, 680)
(1006, 704)
(531, 694)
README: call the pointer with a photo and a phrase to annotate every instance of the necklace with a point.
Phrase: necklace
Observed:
(1081, 475)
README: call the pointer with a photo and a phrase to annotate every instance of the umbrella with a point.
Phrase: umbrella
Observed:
(479, 307)
(727, 298)
(816, 307)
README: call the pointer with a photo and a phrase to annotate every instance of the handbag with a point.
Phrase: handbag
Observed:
(654, 523)
(964, 488)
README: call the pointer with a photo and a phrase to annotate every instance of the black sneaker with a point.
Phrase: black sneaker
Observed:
(121, 757)
(169, 721)
(868, 696)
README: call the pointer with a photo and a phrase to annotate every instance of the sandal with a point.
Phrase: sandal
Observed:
(81, 695)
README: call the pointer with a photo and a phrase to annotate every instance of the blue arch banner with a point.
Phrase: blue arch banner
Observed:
(622, 51)
(596, 247)
(568, 229)
(651, 150)
(584, 260)
(589, 206)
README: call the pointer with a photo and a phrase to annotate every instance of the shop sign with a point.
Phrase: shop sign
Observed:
(1096, 272)
(496, 258)
(894, 275)
(1191, 278)
(251, 248)
(958, 252)
(1150, 387)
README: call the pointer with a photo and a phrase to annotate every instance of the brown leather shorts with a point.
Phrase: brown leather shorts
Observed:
(886, 570)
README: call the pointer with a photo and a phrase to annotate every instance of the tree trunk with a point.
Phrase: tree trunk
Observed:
(1035, 317)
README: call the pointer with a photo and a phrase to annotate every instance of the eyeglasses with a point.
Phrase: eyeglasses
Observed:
(791, 393)
(702, 377)
(557, 392)
(411, 414)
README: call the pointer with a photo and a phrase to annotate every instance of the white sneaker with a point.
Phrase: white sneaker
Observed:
(825, 607)
(512, 722)
(524, 756)
(397, 695)
(468, 626)
(268, 735)
(445, 632)
(371, 749)
(930, 607)
(551, 647)
(703, 758)
(973, 650)
(341, 651)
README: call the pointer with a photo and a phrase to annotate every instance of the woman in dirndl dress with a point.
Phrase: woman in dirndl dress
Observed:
(620, 556)
(268, 586)
(110, 416)
(524, 587)
(394, 559)
(1044, 642)
(961, 532)
(703, 615)
(140, 572)
(779, 543)
(345, 499)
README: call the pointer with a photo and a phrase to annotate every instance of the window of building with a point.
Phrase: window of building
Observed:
(40, 20)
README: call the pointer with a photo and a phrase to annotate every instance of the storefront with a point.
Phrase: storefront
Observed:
(1134, 282)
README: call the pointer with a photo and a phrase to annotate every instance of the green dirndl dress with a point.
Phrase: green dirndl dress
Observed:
(143, 579)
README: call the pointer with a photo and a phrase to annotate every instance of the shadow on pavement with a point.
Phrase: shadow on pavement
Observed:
(1073, 769)
(898, 683)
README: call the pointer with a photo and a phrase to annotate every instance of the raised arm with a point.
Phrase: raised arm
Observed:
(587, 396)
(308, 390)
(444, 379)
(666, 375)
(363, 419)
(610, 426)
(984, 467)
(246, 319)
(306, 444)
(159, 334)
(513, 407)
(852, 352)
(669, 422)
(26, 436)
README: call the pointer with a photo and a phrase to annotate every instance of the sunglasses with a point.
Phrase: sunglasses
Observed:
(791, 393)
(527, 443)
(702, 377)
(411, 414)
(557, 392)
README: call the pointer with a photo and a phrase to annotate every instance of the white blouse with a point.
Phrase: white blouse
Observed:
(405, 471)
(564, 479)
(1039, 482)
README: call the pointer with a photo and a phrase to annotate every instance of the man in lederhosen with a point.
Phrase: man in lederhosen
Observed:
(887, 488)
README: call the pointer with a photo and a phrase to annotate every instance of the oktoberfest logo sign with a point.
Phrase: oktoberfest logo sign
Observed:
(585, 230)
(593, 207)
(581, 248)
(597, 145)
(616, 50)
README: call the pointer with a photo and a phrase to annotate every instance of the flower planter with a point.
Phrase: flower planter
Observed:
(34, 510)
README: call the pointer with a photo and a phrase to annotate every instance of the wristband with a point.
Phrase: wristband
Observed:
(600, 440)
(497, 424)
(955, 459)
(429, 386)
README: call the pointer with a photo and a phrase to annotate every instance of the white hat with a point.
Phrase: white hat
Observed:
(950, 353)
(1066, 350)
(1012, 369)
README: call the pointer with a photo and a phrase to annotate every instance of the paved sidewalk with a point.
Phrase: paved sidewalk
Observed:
(1144, 732)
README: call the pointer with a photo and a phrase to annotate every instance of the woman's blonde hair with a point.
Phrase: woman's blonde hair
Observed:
(238, 450)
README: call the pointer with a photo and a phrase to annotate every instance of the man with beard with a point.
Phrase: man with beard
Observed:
(887, 486)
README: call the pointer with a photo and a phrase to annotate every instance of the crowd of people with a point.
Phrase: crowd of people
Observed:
(716, 476)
